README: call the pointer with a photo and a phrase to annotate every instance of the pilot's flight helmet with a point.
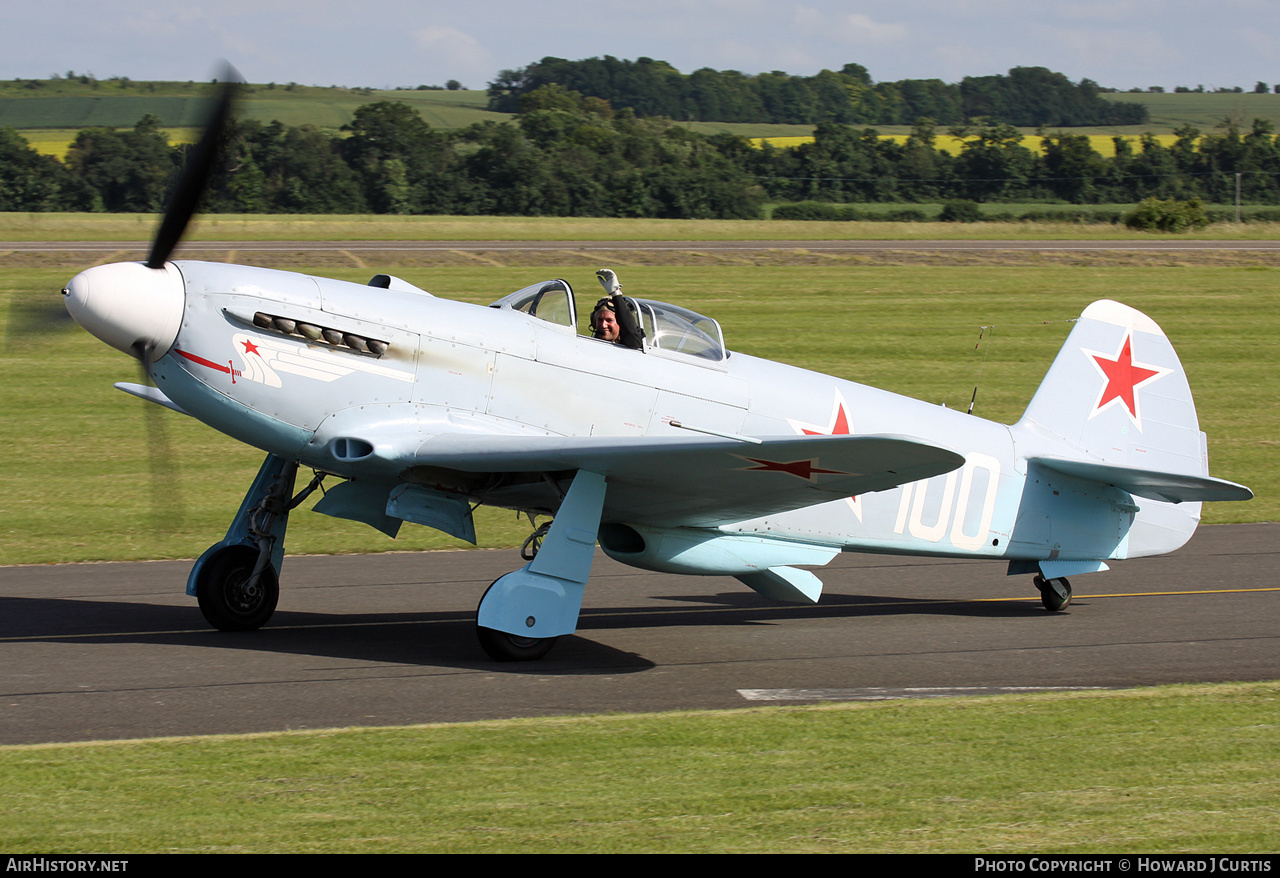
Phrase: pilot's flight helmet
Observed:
(605, 304)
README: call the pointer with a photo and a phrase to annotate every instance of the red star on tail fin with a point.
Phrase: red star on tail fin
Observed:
(1123, 377)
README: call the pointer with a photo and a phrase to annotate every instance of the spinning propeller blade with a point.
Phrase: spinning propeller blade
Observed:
(148, 291)
(166, 486)
(195, 176)
(28, 322)
(166, 493)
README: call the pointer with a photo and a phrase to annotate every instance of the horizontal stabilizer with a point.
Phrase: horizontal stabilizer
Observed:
(1155, 485)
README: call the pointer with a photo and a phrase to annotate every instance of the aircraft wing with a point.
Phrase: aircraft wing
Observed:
(704, 481)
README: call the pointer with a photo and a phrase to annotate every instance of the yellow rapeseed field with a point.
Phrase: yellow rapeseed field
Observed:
(1101, 143)
(56, 141)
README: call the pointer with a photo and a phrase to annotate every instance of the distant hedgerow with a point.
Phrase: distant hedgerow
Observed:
(1156, 215)
(960, 210)
(815, 211)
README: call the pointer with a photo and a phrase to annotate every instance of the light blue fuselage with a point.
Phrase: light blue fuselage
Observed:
(456, 368)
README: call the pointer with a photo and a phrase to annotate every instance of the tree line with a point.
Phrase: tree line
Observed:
(1027, 96)
(851, 165)
(552, 162)
(567, 154)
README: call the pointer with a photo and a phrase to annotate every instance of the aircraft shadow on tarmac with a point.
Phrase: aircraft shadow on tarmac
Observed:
(747, 608)
(448, 638)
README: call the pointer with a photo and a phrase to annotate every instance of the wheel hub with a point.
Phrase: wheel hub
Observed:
(245, 595)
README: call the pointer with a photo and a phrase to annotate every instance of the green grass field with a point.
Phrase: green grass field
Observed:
(50, 117)
(1204, 111)
(71, 105)
(1190, 769)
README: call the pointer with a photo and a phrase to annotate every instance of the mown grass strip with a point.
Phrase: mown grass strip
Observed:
(1174, 769)
(66, 227)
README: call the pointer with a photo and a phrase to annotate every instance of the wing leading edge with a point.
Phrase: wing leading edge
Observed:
(703, 481)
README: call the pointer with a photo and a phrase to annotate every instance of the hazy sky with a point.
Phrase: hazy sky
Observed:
(387, 43)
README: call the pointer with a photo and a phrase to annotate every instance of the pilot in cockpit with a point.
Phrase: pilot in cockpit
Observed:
(614, 318)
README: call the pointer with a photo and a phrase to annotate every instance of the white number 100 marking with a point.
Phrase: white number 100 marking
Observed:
(911, 509)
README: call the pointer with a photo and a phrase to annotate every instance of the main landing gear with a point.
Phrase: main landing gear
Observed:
(237, 581)
(503, 647)
(524, 612)
(1055, 594)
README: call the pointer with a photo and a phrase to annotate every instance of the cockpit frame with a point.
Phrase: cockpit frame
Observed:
(668, 329)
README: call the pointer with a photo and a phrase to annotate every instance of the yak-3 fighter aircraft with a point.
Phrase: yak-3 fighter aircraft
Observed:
(672, 452)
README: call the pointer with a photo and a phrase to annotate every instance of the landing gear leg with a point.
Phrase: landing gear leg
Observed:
(236, 581)
(1055, 594)
(523, 613)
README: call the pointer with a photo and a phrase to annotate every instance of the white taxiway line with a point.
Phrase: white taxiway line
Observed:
(887, 694)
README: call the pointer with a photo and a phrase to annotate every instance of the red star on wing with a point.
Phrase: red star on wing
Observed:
(1123, 377)
(250, 347)
(802, 468)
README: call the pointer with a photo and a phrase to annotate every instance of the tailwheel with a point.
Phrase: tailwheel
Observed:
(230, 598)
(1055, 594)
(503, 647)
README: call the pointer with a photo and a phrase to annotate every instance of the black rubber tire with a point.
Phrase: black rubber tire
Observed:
(1050, 597)
(503, 647)
(225, 602)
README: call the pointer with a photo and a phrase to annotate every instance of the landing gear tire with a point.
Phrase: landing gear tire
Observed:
(503, 647)
(227, 600)
(1055, 594)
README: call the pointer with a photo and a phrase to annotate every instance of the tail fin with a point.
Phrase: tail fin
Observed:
(1117, 402)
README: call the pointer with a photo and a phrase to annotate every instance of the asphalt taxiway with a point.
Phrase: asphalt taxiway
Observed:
(97, 651)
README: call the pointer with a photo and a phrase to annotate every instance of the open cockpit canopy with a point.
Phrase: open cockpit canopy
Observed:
(667, 327)
(549, 300)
